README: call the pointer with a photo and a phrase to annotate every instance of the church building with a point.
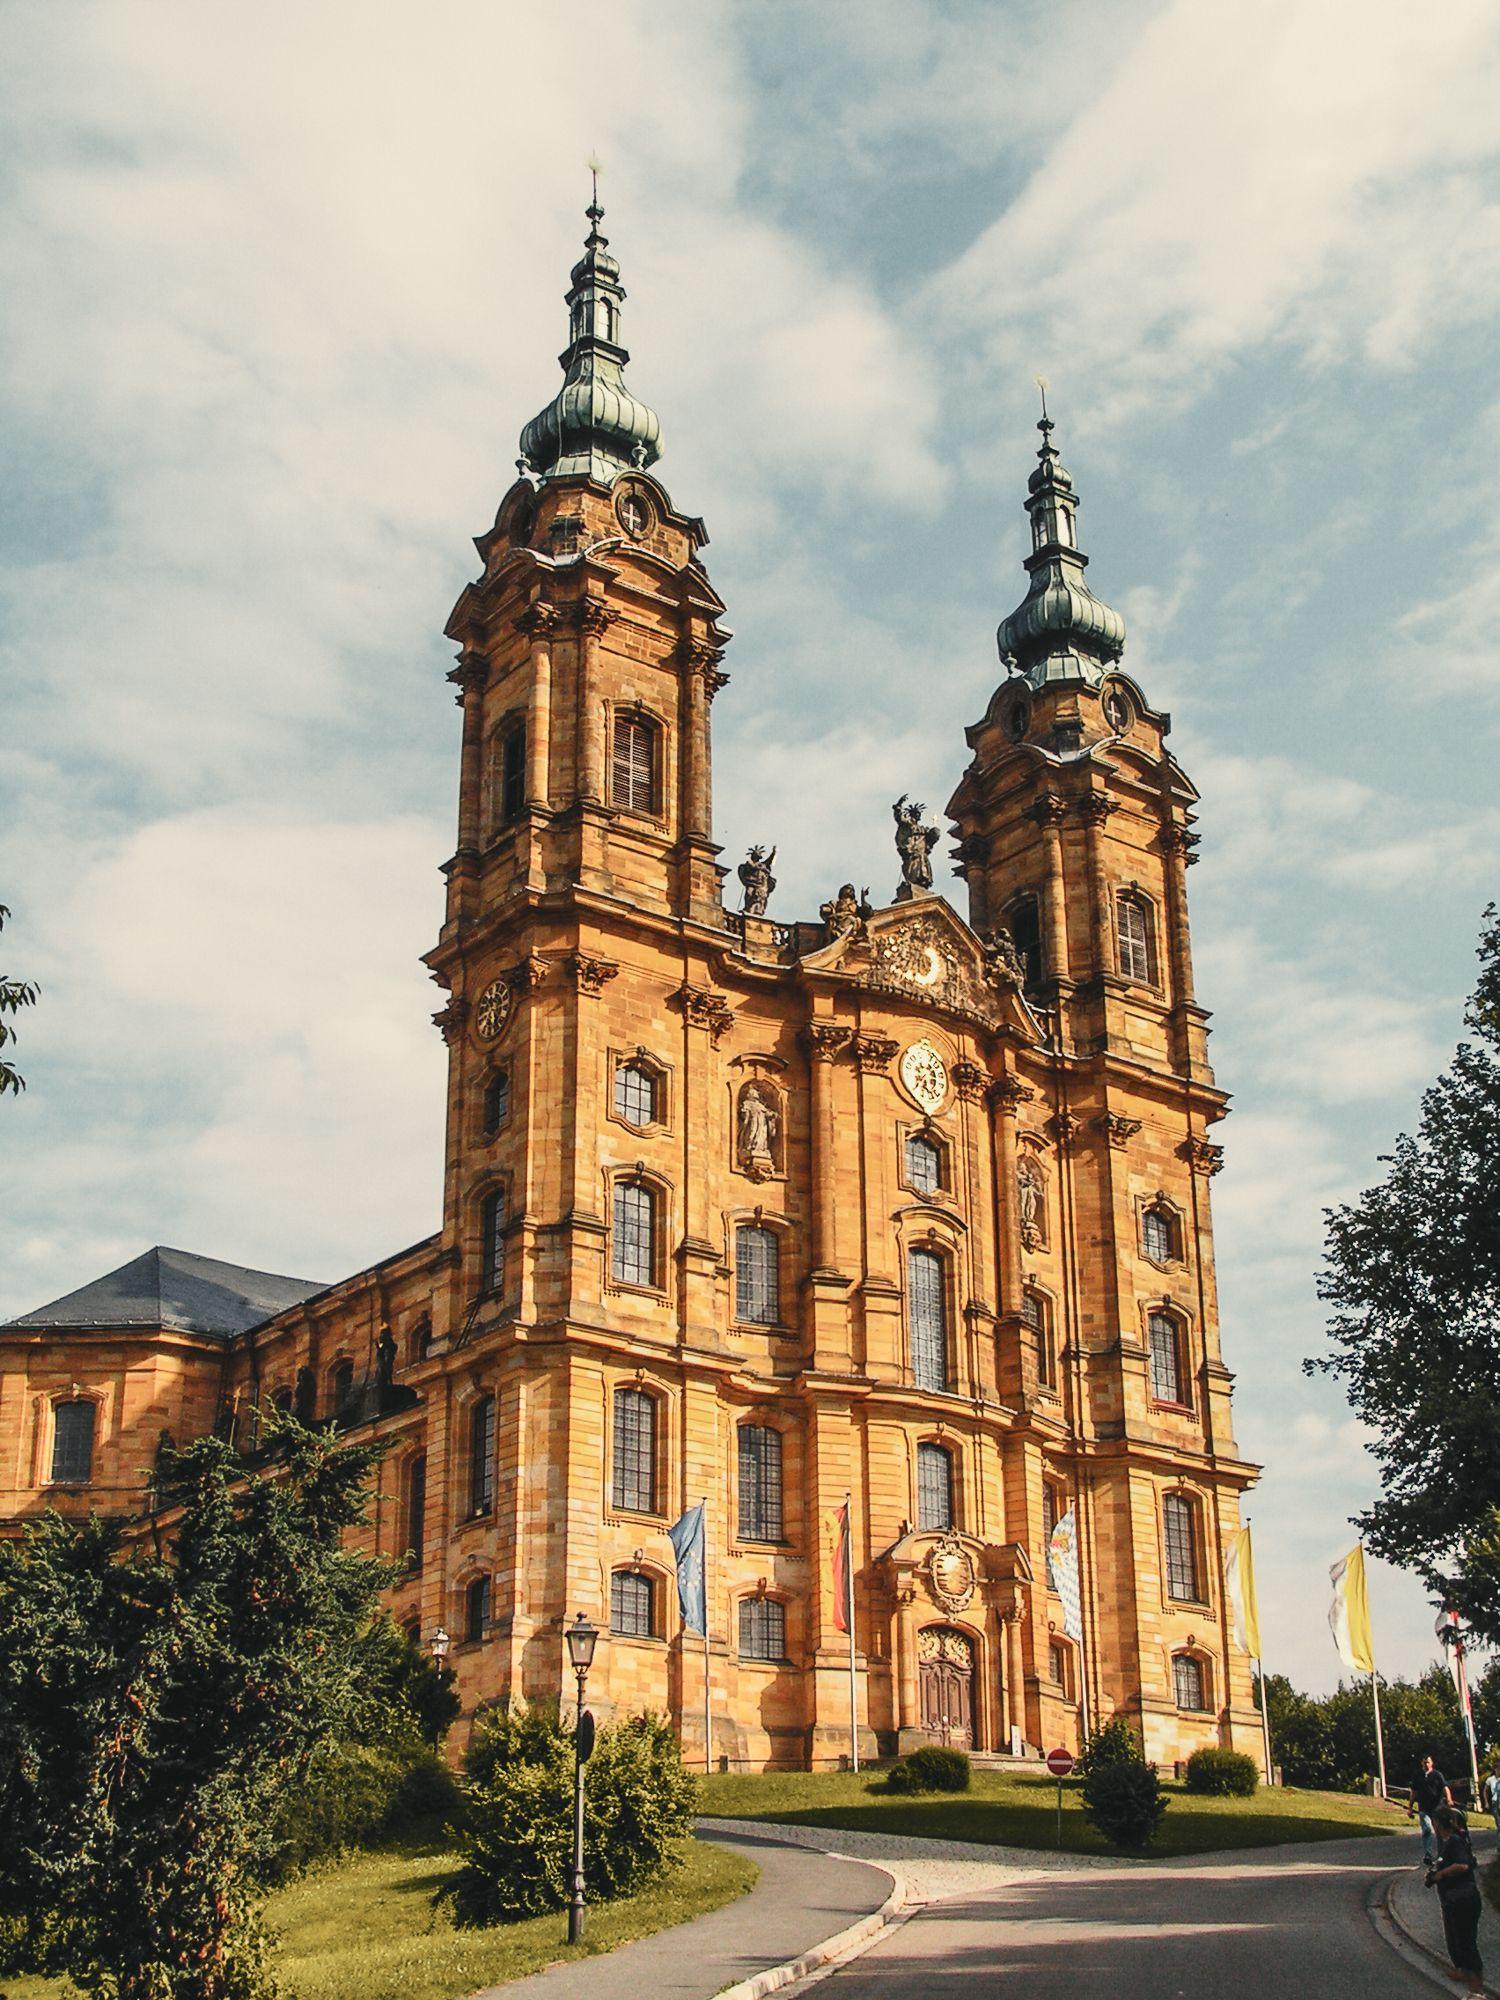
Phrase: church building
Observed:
(885, 1202)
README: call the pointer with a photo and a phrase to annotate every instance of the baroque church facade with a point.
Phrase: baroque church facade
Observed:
(889, 1204)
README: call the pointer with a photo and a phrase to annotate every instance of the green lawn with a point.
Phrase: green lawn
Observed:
(1022, 1812)
(366, 1929)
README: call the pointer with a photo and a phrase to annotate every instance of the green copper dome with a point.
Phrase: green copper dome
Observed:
(1059, 632)
(593, 425)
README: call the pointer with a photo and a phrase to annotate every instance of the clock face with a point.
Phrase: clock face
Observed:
(925, 1075)
(494, 1009)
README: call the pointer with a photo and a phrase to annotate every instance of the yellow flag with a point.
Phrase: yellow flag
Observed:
(1349, 1614)
(1239, 1580)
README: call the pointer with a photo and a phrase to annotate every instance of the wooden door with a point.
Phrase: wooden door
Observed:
(946, 1680)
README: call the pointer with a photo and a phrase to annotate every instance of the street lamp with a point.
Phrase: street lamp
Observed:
(582, 1637)
(439, 1642)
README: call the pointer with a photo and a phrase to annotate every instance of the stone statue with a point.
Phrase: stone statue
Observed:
(847, 914)
(757, 1133)
(914, 843)
(1029, 1204)
(1003, 964)
(755, 873)
(385, 1361)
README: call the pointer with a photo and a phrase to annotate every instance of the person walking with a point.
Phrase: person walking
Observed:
(1428, 1793)
(1454, 1877)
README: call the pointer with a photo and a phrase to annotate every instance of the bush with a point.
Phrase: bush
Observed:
(355, 1795)
(516, 1829)
(1222, 1774)
(1114, 1743)
(933, 1769)
(1124, 1801)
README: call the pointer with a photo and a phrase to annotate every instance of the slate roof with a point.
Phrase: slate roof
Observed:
(173, 1288)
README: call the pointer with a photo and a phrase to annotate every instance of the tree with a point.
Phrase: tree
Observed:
(156, 1702)
(1413, 1275)
(14, 995)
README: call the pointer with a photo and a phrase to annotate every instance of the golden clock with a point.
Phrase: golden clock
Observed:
(494, 1009)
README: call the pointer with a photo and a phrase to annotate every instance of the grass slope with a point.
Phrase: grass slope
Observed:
(1011, 1811)
(365, 1929)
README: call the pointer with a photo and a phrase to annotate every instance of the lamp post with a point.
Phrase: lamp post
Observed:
(582, 1637)
(439, 1643)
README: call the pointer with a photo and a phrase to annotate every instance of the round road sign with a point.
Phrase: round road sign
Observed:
(1060, 1762)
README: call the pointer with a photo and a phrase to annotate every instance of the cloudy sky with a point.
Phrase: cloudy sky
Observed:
(278, 287)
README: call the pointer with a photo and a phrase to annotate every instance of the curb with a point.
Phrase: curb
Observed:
(1382, 1904)
(846, 1943)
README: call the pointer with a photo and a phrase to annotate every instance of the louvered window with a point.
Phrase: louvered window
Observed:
(630, 1604)
(1135, 936)
(633, 780)
(633, 1485)
(757, 1276)
(492, 1240)
(934, 1487)
(1187, 1681)
(924, 1165)
(1024, 922)
(760, 1483)
(633, 1251)
(482, 1456)
(1166, 1358)
(477, 1609)
(762, 1629)
(416, 1507)
(928, 1306)
(1180, 1526)
(635, 1094)
(73, 1443)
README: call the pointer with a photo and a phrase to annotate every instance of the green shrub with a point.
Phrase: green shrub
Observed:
(515, 1834)
(1222, 1774)
(1124, 1801)
(899, 1779)
(1114, 1743)
(935, 1769)
(356, 1795)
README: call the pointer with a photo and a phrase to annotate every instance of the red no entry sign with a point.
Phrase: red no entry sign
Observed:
(1060, 1762)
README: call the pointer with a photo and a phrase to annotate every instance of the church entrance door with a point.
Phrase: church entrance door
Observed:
(945, 1665)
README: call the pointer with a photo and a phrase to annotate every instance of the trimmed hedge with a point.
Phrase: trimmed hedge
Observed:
(1222, 1774)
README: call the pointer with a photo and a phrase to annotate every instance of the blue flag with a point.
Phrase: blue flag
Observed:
(687, 1545)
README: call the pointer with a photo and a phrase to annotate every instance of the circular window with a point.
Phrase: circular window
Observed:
(1118, 712)
(634, 512)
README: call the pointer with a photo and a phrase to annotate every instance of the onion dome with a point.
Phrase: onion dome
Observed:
(593, 426)
(1059, 632)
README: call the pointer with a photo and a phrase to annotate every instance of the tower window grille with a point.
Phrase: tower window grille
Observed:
(633, 1484)
(1165, 1358)
(1134, 921)
(633, 1250)
(635, 1094)
(924, 1164)
(757, 1275)
(934, 1487)
(492, 1240)
(1181, 1528)
(496, 1102)
(482, 1457)
(633, 768)
(762, 1629)
(928, 1307)
(1187, 1682)
(631, 1605)
(73, 1443)
(760, 1483)
(1159, 1235)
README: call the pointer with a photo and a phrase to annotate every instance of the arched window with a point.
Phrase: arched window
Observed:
(633, 774)
(492, 1240)
(477, 1610)
(1133, 914)
(1187, 1682)
(633, 1245)
(633, 1484)
(1180, 1526)
(421, 1338)
(924, 1163)
(1159, 1234)
(632, 1605)
(341, 1385)
(416, 1506)
(760, 1483)
(72, 1443)
(757, 1275)
(635, 1094)
(1165, 1339)
(762, 1629)
(1036, 1315)
(496, 1102)
(281, 1397)
(482, 1457)
(934, 1486)
(1060, 1665)
(928, 1306)
(508, 774)
(1023, 920)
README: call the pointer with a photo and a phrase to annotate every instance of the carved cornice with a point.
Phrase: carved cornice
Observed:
(700, 658)
(970, 1081)
(1065, 1126)
(469, 675)
(1117, 1128)
(1202, 1155)
(702, 1007)
(540, 620)
(824, 1040)
(450, 1020)
(1047, 809)
(1094, 808)
(1008, 1094)
(873, 1053)
(1179, 840)
(592, 615)
(590, 975)
(528, 975)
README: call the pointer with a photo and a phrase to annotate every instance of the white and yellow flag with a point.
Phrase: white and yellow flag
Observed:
(1349, 1614)
(1239, 1581)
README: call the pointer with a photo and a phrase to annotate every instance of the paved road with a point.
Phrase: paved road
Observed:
(1249, 1926)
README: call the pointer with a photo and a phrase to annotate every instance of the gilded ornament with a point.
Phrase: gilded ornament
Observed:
(950, 1569)
(494, 1008)
(924, 1075)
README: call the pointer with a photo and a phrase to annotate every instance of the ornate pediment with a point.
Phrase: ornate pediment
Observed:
(924, 951)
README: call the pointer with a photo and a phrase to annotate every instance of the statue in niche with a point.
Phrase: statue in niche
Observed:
(914, 843)
(305, 1397)
(760, 883)
(847, 914)
(756, 1133)
(1029, 1203)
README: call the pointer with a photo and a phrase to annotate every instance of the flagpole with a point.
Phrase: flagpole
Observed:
(1379, 1732)
(708, 1738)
(849, 1620)
(1463, 1696)
(1260, 1665)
